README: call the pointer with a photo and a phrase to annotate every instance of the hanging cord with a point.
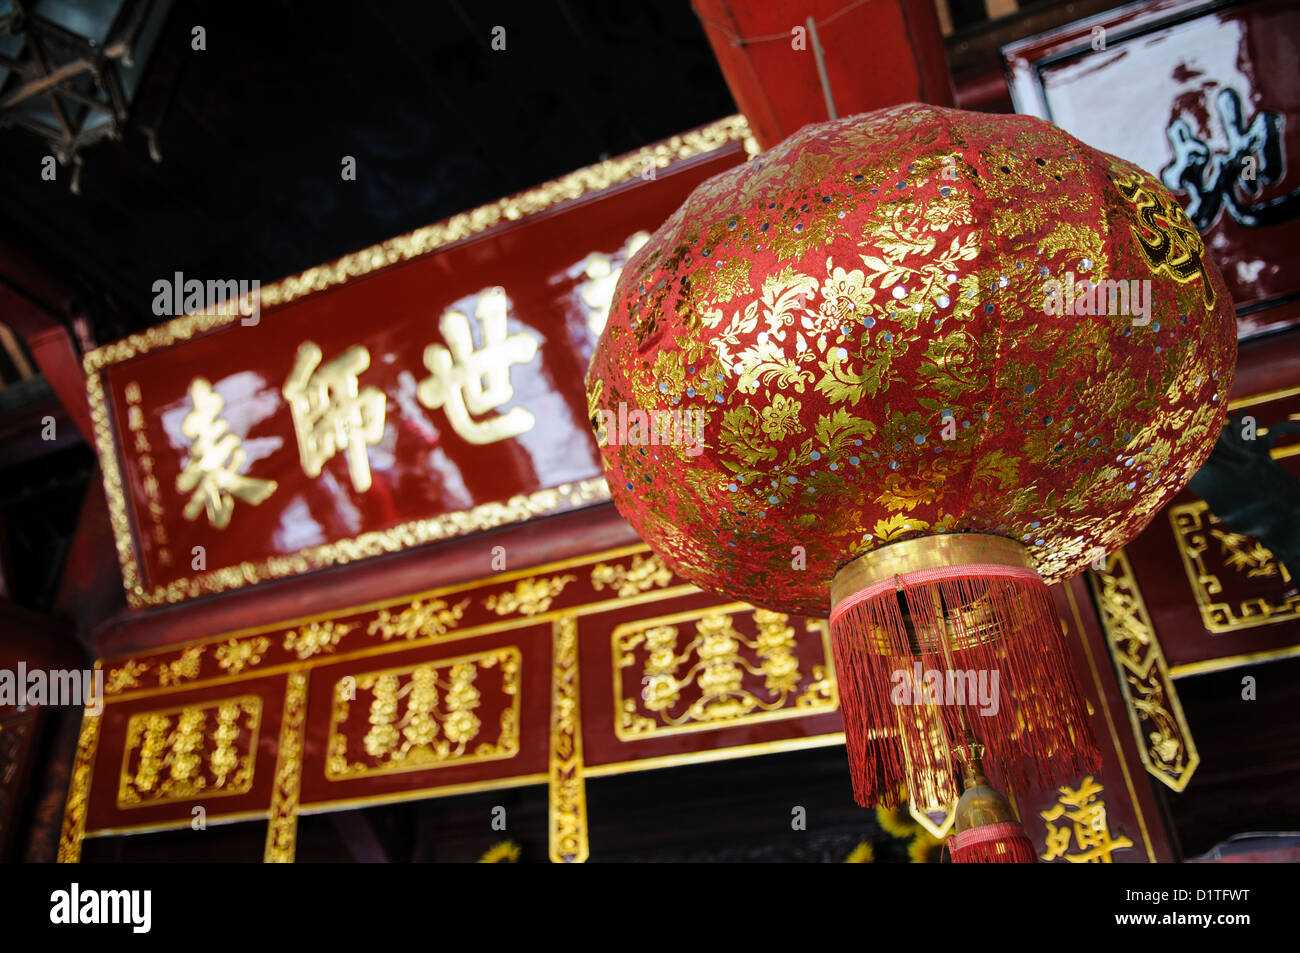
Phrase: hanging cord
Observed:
(947, 660)
(750, 40)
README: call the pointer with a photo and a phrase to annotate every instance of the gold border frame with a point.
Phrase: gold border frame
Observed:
(1225, 662)
(567, 788)
(1265, 397)
(750, 750)
(520, 508)
(282, 818)
(74, 810)
(587, 560)
(1197, 579)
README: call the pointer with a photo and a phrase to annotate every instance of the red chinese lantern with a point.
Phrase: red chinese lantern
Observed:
(936, 360)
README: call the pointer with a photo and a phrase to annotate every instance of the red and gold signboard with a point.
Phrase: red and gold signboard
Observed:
(422, 389)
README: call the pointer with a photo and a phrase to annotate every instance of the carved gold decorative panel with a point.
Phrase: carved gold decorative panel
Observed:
(716, 668)
(441, 713)
(1236, 581)
(206, 749)
(1164, 740)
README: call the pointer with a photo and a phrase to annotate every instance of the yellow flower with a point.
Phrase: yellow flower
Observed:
(862, 854)
(506, 852)
(782, 417)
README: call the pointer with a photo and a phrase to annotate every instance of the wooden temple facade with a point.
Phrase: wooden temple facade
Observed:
(351, 584)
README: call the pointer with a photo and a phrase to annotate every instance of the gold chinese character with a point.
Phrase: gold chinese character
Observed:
(459, 372)
(602, 276)
(1090, 831)
(331, 412)
(212, 472)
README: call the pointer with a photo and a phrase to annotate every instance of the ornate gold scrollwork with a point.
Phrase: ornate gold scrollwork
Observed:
(568, 788)
(282, 826)
(1164, 740)
(1196, 531)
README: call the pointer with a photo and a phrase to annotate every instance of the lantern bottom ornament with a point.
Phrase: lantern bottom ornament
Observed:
(942, 639)
(988, 831)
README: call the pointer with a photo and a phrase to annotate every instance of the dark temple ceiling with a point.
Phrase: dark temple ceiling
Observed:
(254, 129)
(252, 132)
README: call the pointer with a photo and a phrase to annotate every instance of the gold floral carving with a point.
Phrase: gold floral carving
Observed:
(125, 676)
(1164, 739)
(418, 620)
(1197, 531)
(642, 574)
(74, 812)
(422, 617)
(422, 241)
(439, 725)
(165, 752)
(234, 656)
(181, 669)
(315, 638)
(531, 596)
(712, 675)
(1086, 838)
(568, 789)
(282, 830)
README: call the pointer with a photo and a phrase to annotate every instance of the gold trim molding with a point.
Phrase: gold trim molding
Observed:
(422, 626)
(282, 828)
(568, 788)
(572, 187)
(1164, 740)
(74, 811)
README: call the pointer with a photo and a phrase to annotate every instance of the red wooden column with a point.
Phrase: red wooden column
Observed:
(791, 63)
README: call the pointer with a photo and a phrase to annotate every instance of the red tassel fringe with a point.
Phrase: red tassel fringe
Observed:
(992, 844)
(1039, 736)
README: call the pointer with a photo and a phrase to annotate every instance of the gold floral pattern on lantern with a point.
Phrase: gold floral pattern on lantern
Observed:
(868, 318)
